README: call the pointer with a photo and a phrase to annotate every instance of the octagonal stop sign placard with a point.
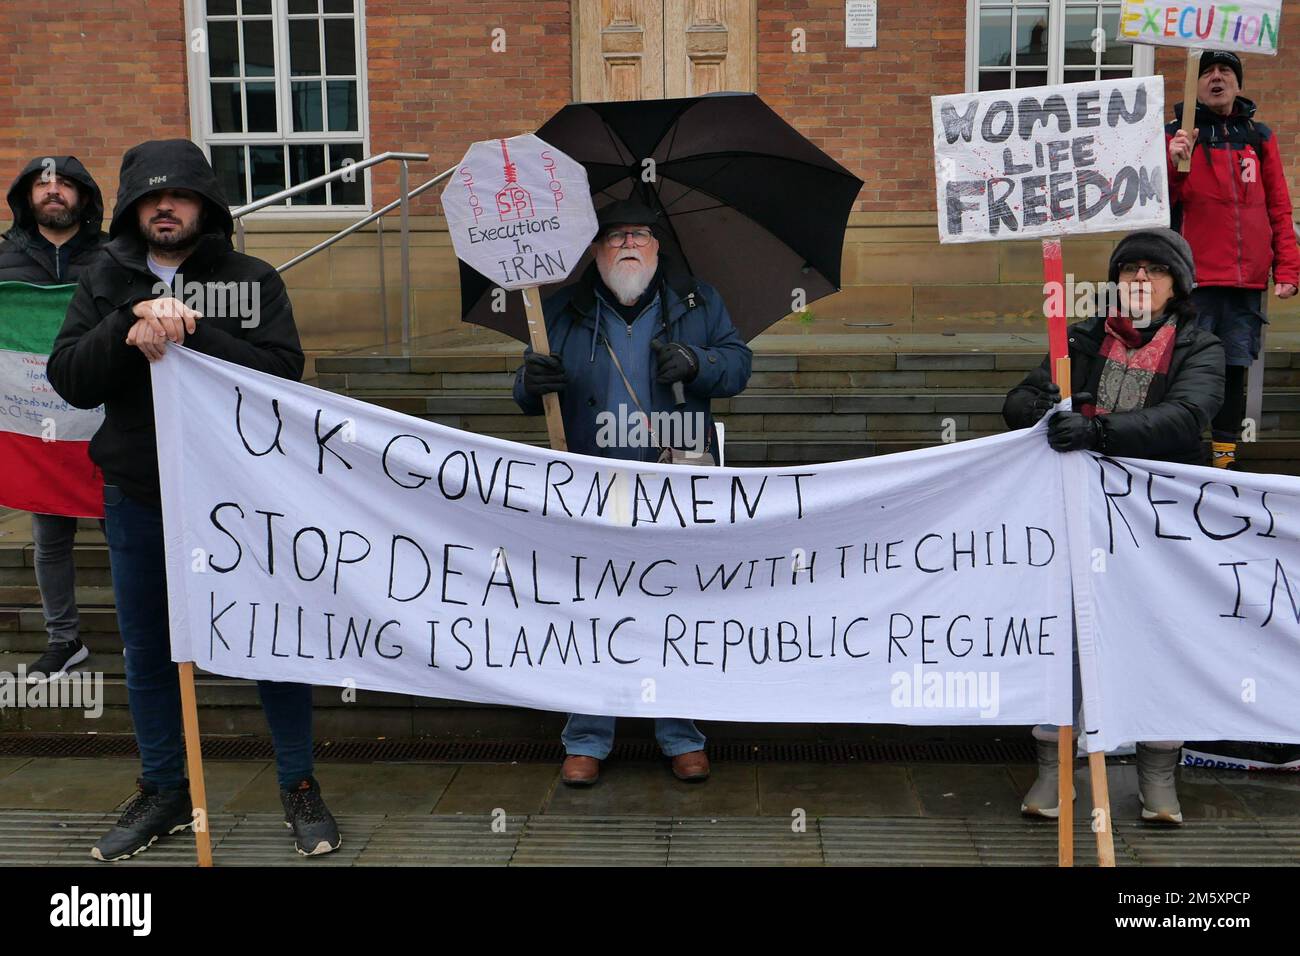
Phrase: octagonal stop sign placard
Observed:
(519, 211)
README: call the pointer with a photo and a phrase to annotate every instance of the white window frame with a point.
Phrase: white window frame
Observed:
(1144, 55)
(200, 103)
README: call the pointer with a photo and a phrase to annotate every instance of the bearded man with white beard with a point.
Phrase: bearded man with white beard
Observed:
(636, 338)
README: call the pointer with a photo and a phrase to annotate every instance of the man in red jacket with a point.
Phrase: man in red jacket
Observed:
(1234, 209)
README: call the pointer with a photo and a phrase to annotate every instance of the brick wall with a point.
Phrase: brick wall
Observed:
(91, 79)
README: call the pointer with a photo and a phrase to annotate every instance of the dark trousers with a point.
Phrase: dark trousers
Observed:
(135, 547)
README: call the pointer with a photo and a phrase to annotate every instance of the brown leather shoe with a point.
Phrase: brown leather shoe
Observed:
(691, 767)
(579, 771)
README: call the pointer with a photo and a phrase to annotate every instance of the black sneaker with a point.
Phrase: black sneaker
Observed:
(305, 813)
(151, 814)
(57, 660)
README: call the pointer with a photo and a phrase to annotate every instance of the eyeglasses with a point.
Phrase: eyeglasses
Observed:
(618, 237)
(1154, 270)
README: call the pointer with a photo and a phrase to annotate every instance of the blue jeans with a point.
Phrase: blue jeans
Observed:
(56, 576)
(138, 560)
(589, 736)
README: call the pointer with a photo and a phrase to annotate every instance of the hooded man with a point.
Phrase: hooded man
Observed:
(170, 235)
(633, 338)
(1235, 211)
(58, 210)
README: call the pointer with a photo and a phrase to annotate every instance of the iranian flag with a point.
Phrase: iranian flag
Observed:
(45, 461)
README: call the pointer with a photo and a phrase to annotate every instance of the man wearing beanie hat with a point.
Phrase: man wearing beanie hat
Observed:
(1146, 380)
(1234, 207)
(170, 232)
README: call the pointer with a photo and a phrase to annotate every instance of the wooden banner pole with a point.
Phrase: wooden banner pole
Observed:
(1189, 101)
(194, 761)
(541, 345)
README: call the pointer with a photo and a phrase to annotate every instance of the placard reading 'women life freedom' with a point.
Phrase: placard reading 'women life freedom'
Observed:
(1051, 161)
(1246, 26)
(519, 211)
(312, 537)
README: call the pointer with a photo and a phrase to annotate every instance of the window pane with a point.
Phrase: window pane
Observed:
(1116, 74)
(307, 162)
(261, 108)
(1080, 76)
(1116, 52)
(343, 193)
(257, 6)
(259, 49)
(338, 6)
(995, 38)
(223, 49)
(303, 6)
(343, 105)
(228, 162)
(991, 80)
(221, 8)
(268, 169)
(1027, 78)
(1031, 37)
(1079, 25)
(227, 117)
(340, 51)
(304, 48)
(307, 115)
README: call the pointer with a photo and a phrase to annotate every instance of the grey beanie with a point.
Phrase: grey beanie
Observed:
(1158, 245)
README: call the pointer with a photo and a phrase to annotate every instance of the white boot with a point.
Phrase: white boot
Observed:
(1156, 785)
(1044, 797)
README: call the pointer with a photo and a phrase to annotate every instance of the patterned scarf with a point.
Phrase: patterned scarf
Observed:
(1131, 368)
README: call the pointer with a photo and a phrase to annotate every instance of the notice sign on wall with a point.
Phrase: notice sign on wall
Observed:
(1051, 161)
(860, 23)
(1246, 26)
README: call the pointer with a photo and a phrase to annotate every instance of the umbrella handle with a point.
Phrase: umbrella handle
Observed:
(679, 390)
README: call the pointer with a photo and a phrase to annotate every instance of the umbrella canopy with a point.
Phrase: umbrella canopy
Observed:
(746, 202)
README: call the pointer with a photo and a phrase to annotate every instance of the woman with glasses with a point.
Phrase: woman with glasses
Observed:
(1146, 382)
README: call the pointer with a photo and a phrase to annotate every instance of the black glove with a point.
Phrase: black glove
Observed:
(543, 374)
(1071, 431)
(1045, 398)
(677, 363)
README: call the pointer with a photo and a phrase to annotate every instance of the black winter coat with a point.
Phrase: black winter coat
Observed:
(1170, 427)
(24, 255)
(91, 364)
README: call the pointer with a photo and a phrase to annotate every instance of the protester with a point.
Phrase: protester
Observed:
(1144, 386)
(58, 210)
(171, 229)
(633, 327)
(1235, 211)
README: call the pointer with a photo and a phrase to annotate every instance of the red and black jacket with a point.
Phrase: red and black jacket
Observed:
(1233, 207)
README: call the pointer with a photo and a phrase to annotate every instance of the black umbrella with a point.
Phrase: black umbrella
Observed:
(748, 204)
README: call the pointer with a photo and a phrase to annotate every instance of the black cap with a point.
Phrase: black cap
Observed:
(626, 212)
(1227, 58)
(1158, 245)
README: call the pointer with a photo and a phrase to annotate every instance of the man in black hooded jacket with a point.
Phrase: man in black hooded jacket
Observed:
(170, 236)
(58, 210)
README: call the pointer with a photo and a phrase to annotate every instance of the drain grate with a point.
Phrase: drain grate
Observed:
(508, 751)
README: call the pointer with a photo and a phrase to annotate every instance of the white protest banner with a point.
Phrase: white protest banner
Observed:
(1187, 595)
(1245, 26)
(1051, 161)
(312, 537)
(519, 211)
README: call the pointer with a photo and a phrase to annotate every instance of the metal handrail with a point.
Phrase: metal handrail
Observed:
(403, 201)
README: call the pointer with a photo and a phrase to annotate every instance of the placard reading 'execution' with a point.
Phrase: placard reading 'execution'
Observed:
(519, 211)
(316, 538)
(1246, 26)
(1051, 161)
